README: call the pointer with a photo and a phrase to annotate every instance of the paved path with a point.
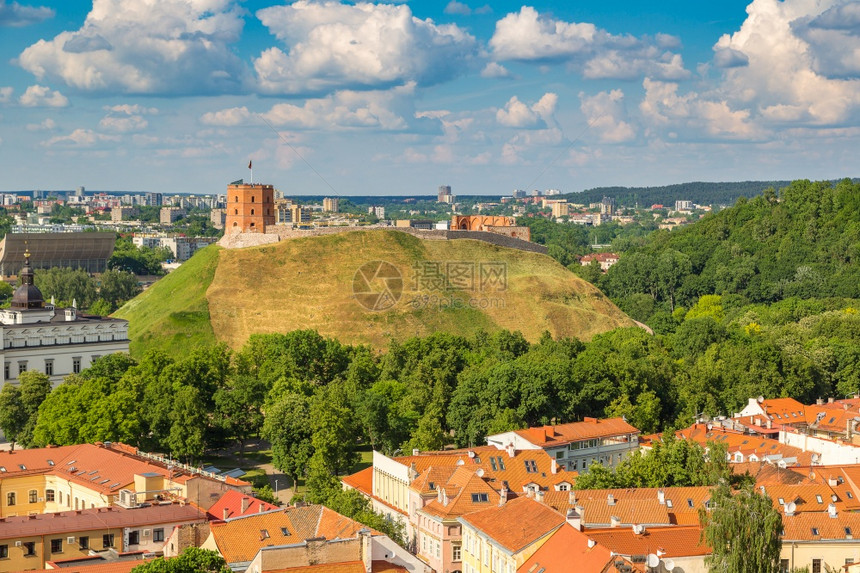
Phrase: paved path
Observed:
(278, 481)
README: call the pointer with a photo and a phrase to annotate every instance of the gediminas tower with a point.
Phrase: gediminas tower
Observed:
(250, 207)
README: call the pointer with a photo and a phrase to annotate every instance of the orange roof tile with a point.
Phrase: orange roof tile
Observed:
(516, 524)
(361, 480)
(548, 436)
(567, 551)
(681, 541)
(232, 502)
(464, 492)
(239, 539)
(745, 444)
(817, 526)
(346, 567)
(98, 566)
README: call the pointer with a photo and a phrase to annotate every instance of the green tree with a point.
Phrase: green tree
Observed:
(118, 286)
(66, 286)
(192, 560)
(239, 408)
(743, 528)
(34, 388)
(187, 423)
(287, 427)
(13, 417)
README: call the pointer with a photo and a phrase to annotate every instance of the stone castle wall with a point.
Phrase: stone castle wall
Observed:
(277, 233)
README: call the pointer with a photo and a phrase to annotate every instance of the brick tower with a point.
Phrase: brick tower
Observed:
(250, 207)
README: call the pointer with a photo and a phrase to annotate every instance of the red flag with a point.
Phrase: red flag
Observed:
(249, 164)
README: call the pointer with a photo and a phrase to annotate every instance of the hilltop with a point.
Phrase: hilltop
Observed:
(227, 295)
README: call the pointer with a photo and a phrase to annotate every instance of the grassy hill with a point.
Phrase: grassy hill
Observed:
(310, 283)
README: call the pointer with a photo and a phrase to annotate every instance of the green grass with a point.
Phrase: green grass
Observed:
(173, 314)
(307, 283)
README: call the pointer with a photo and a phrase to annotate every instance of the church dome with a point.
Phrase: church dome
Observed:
(27, 296)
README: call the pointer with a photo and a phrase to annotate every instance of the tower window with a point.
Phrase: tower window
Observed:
(235, 211)
(236, 199)
(253, 198)
(252, 211)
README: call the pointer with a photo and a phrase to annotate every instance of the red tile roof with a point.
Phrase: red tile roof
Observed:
(681, 541)
(232, 502)
(516, 524)
(820, 526)
(568, 551)
(104, 517)
(362, 480)
(98, 566)
(549, 436)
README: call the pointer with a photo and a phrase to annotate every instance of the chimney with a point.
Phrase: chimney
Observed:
(661, 497)
(553, 467)
(503, 496)
(226, 513)
(244, 504)
(831, 510)
(819, 402)
(848, 429)
(539, 495)
(510, 449)
(830, 400)
(610, 499)
(614, 521)
(260, 508)
(571, 498)
(415, 451)
(769, 424)
(574, 519)
(591, 543)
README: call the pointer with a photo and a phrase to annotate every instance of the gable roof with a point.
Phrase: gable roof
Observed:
(239, 539)
(516, 524)
(551, 436)
(567, 551)
(681, 541)
(232, 501)
(818, 526)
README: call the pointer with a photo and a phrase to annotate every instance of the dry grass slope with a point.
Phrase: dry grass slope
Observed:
(308, 283)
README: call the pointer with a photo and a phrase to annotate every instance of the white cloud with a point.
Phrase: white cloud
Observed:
(80, 138)
(518, 114)
(495, 70)
(16, 15)
(458, 8)
(6, 94)
(802, 62)
(123, 124)
(333, 46)
(387, 110)
(41, 96)
(227, 117)
(529, 36)
(146, 47)
(47, 125)
(607, 116)
(131, 109)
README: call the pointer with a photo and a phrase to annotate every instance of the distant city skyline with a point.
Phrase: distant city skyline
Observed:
(336, 99)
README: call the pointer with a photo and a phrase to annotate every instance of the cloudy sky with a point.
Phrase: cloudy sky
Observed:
(394, 98)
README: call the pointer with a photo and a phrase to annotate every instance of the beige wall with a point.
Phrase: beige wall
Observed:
(832, 553)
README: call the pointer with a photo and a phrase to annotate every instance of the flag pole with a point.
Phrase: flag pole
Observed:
(251, 167)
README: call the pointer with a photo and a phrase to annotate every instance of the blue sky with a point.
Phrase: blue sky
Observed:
(335, 98)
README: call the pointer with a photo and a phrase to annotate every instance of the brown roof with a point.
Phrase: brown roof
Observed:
(240, 539)
(516, 524)
(765, 473)
(549, 436)
(98, 518)
(681, 541)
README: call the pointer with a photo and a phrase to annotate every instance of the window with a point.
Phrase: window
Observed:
(493, 464)
(22, 366)
(816, 566)
(76, 365)
(252, 211)
(559, 455)
(134, 537)
(818, 498)
(455, 553)
(849, 495)
(84, 541)
(783, 566)
(531, 466)
(49, 367)
(480, 498)
(10, 498)
(33, 496)
(668, 503)
(49, 495)
(235, 211)
(264, 534)
(564, 487)
(56, 546)
(285, 532)
(6, 371)
(236, 199)
(29, 548)
(158, 534)
(690, 502)
(501, 462)
(847, 532)
(814, 531)
(4, 551)
(107, 539)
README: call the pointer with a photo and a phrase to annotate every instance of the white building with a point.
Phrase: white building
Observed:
(56, 341)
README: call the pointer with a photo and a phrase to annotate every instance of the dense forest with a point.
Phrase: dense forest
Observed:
(699, 192)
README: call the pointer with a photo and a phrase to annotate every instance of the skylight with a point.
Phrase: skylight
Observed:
(814, 531)
(480, 498)
(284, 531)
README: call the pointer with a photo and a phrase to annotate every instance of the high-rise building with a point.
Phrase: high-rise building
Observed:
(250, 207)
(331, 204)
